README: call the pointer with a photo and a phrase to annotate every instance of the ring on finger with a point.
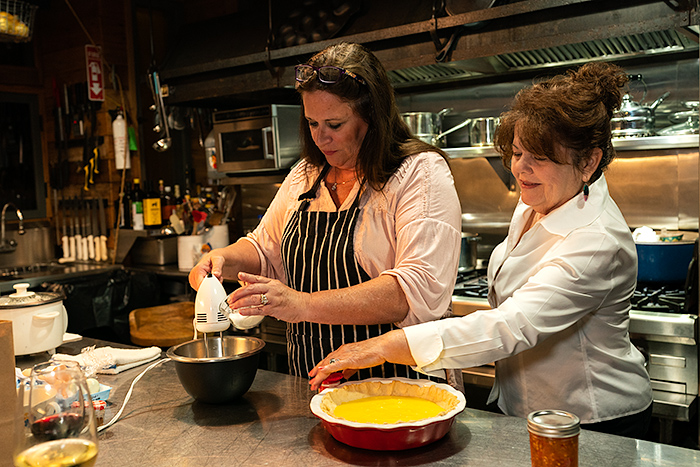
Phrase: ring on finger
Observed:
(332, 361)
(263, 299)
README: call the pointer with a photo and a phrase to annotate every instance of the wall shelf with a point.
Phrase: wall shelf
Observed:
(621, 144)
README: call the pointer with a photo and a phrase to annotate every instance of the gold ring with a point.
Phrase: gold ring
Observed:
(263, 299)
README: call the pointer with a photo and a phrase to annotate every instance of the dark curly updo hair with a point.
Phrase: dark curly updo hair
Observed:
(572, 110)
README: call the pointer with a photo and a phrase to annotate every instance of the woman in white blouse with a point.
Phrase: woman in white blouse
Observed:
(364, 234)
(561, 282)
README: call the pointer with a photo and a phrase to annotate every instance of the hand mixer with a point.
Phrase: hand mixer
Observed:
(212, 313)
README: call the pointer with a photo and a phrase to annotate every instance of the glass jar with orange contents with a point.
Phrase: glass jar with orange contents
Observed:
(553, 438)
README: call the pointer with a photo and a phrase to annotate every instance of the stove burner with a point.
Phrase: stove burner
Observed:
(664, 298)
(472, 284)
(659, 298)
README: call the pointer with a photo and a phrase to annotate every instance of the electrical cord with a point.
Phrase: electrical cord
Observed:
(128, 394)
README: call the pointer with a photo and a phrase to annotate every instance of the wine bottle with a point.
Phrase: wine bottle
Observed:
(123, 208)
(137, 197)
(167, 204)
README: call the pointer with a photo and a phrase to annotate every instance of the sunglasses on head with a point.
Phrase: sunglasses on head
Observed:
(326, 74)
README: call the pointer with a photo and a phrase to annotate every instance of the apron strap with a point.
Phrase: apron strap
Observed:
(311, 194)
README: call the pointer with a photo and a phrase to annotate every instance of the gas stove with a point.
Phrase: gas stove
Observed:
(660, 297)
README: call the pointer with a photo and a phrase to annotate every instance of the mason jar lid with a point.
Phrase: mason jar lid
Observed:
(553, 423)
(26, 298)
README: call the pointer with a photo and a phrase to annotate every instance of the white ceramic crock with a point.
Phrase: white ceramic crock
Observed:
(39, 319)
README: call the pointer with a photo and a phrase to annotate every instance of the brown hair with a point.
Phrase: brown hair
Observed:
(388, 140)
(572, 110)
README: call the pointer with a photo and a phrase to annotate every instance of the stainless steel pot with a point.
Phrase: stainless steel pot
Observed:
(634, 119)
(482, 131)
(427, 126)
(467, 255)
(665, 260)
(39, 319)
(686, 122)
(476, 132)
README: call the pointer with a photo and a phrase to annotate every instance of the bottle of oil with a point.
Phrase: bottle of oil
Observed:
(152, 216)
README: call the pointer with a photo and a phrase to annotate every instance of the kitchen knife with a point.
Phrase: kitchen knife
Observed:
(68, 256)
(71, 238)
(55, 216)
(78, 236)
(60, 139)
(96, 229)
(88, 227)
(104, 256)
(65, 241)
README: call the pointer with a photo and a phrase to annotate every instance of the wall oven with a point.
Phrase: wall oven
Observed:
(257, 139)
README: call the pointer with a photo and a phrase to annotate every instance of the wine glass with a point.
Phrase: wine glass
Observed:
(56, 419)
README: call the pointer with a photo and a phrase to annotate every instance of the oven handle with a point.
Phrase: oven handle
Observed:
(268, 138)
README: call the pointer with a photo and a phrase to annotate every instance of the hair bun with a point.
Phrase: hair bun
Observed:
(607, 81)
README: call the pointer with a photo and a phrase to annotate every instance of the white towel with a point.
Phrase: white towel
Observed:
(109, 360)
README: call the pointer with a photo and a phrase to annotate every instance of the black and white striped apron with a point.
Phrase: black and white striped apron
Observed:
(318, 254)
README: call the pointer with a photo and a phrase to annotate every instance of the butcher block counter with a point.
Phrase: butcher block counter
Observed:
(273, 425)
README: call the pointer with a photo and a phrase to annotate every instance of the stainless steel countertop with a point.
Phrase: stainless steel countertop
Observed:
(272, 425)
(50, 273)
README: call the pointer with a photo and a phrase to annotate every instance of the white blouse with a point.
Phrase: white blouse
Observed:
(411, 230)
(559, 327)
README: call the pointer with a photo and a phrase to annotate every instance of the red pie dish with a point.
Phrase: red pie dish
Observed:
(388, 436)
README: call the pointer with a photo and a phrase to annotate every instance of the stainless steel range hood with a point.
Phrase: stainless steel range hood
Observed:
(648, 44)
(212, 66)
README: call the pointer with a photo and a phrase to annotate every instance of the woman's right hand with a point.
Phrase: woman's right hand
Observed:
(210, 263)
(390, 347)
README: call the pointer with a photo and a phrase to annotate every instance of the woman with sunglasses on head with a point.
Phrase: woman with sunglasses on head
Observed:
(364, 234)
(559, 285)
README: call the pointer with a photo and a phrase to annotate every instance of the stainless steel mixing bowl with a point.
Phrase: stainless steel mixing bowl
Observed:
(217, 370)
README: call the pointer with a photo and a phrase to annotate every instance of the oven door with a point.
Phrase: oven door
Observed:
(258, 139)
(245, 145)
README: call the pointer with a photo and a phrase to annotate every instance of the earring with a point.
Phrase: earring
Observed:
(585, 191)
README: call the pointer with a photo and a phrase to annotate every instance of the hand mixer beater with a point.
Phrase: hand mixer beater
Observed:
(212, 313)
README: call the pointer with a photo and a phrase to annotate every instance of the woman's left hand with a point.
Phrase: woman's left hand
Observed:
(264, 296)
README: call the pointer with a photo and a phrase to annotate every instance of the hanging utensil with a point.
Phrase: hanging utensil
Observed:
(163, 144)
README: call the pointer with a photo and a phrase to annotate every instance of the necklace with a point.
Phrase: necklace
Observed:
(334, 187)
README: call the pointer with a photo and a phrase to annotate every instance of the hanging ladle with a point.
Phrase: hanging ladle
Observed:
(164, 143)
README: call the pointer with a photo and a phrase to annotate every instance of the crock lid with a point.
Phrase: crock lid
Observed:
(553, 423)
(26, 298)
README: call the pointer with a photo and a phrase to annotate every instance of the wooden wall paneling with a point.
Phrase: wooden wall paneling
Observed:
(61, 42)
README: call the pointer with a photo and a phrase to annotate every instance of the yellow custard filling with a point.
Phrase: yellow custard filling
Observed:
(387, 409)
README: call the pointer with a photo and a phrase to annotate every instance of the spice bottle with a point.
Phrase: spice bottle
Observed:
(553, 438)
